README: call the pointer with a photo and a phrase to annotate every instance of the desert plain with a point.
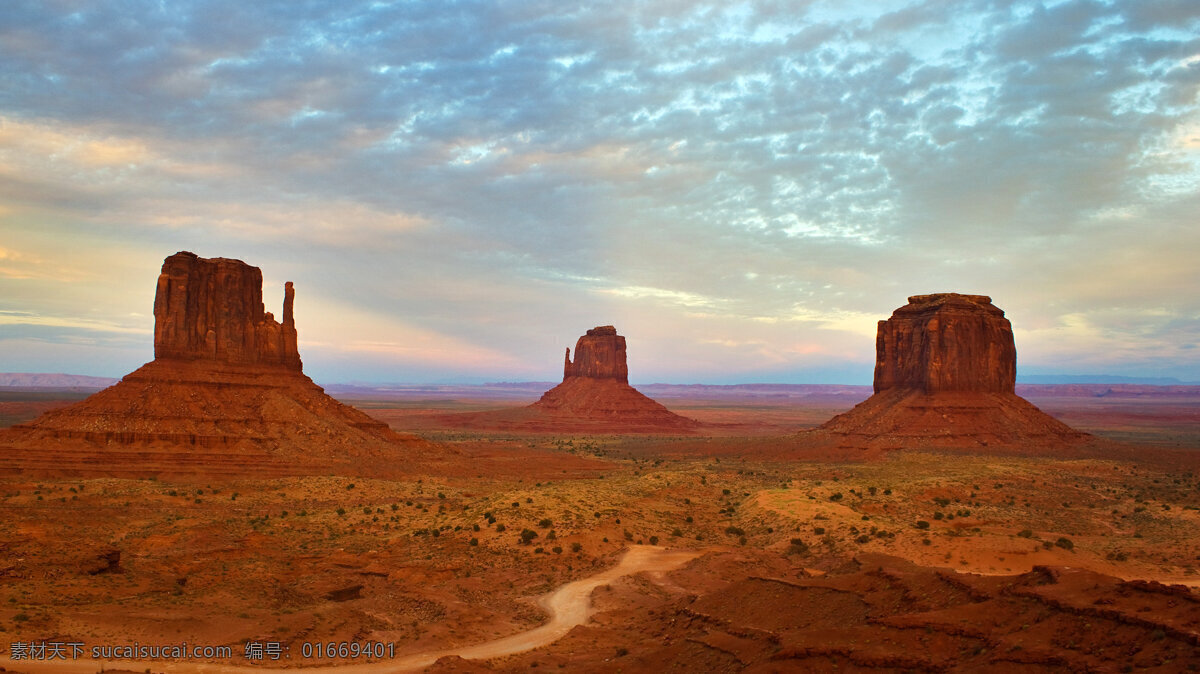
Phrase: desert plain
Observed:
(1078, 559)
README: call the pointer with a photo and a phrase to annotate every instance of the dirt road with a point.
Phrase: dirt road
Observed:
(568, 606)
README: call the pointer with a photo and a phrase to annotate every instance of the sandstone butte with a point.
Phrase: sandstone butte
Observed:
(224, 395)
(945, 370)
(594, 397)
(595, 388)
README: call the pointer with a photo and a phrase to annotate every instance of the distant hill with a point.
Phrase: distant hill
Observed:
(53, 380)
(1058, 379)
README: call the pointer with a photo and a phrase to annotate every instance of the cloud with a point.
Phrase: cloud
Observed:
(508, 174)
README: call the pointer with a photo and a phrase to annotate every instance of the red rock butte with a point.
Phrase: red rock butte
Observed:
(594, 397)
(946, 342)
(595, 389)
(945, 370)
(213, 310)
(600, 354)
(224, 395)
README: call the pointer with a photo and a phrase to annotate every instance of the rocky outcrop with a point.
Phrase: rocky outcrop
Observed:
(595, 393)
(594, 397)
(600, 354)
(945, 368)
(212, 309)
(224, 396)
(946, 342)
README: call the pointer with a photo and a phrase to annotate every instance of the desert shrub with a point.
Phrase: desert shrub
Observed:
(474, 527)
(798, 547)
(1025, 533)
(734, 531)
(341, 512)
(499, 528)
(528, 535)
(1065, 543)
(576, 546)
(556, 549)
(922, 524)
(545, 523)
(367, 510)
(628, 536)
(837, 496)
(677, 531)
(689, 519)
(939, 515)
(473, 542)
(551, 536)
(820, 531)
(654, 540)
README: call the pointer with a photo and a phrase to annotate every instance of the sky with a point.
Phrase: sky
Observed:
(459, 190)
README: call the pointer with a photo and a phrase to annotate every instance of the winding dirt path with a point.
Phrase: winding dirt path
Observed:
(568, 606)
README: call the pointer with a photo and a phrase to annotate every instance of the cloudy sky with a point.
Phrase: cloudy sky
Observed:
(460, 189)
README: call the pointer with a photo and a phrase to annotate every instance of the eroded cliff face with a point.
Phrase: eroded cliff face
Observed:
(600, 354)
(945, 369)
(224, 396)
(946, 342)
(212, 309)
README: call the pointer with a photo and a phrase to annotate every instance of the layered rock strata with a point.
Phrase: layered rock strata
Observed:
(225, 395)
(946, 342)
(595, 389)
(600, 354)
(945, 369)
(213, 309)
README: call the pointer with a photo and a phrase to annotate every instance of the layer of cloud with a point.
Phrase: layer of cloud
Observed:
(744, 187)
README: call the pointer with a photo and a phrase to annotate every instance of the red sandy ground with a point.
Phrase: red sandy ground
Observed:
(1028, 561)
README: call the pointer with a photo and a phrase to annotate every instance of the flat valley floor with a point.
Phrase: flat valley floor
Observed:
(909, 561)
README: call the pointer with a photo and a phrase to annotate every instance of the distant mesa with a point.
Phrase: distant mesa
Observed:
(595, 388)
(594, 397)
(224, 395)
(945, 370)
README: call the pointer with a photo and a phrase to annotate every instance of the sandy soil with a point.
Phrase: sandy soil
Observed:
(568, 606)
(935, 560)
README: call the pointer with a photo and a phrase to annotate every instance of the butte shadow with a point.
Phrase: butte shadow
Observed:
(224, 396)
(594, 397)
